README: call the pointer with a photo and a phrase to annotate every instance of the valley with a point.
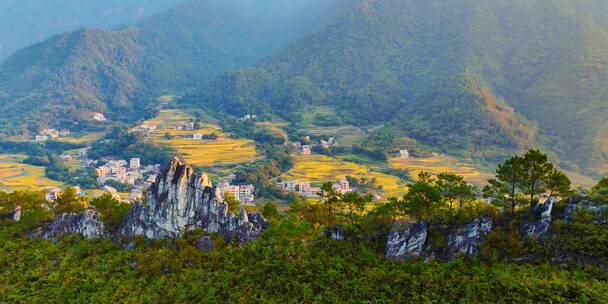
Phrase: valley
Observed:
(15, 175)
(176, 129)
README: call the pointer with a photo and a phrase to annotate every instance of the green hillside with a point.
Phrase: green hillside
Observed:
(119, 73)
(24, 22)
(475, 76)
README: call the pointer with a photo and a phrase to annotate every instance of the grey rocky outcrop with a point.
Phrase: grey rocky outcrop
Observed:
(181, 200)
(406, 240)
(540, 227)
(599, 212)
(86, 224)
(468, 238)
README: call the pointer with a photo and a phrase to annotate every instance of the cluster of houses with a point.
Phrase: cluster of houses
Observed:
(49, 133)
(187, 127)
(307, 149)
(147, 129)
(124, 172)
(248, 117)
(305, 189)
(245, 194)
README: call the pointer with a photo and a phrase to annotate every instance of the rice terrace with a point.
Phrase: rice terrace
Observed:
(200, 152)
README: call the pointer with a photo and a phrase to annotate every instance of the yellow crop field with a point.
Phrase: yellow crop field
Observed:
(320, 168)
(441, 164)
(274, 127)
(84, 139)
(222, 151)
(15, 175)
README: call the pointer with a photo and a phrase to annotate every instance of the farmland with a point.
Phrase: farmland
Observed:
(15, 175)
(440, 164)
(221, 151)
(320, 168)
(83, 138)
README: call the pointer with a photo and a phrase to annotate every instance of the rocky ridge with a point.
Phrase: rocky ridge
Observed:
(178, 201)
(86, 223)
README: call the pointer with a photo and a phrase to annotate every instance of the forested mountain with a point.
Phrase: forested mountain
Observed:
(24, 22)
(480, 76)
(118, 72)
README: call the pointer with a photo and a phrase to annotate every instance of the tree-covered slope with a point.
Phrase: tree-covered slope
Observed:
(119, 72)
(24, 22)
(463, 75)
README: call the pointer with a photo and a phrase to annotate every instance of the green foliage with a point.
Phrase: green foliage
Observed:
(111, 211)
(68, 201)
(121, 143)
(525, 177)
(502, 245)
(270, 212)
(600, 191)
(454, 187)
(272, 270)
(233, 203)
(120, 73)
(290, 263)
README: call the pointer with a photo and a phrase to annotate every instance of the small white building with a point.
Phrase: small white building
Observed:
(66, 157)
(98, 116)
(103, 171)
(306, 150)
(135, 163)
(242, 193)
(41, 138)
(82, 152)
(52, 194)
(404, 153)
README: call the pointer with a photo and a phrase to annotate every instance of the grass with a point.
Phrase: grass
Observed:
(83, 138)
(441, 164)
(15, 175)
(318, 169)
(345, 135)
(274, 127)
(223, 151)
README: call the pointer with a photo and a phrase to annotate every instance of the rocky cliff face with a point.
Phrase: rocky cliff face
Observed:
(181, 200)
(541, 227)
(468, 238)
(599, 212)
(406, 240)
(86, 224)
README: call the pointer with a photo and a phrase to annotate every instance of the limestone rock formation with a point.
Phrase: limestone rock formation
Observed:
(468, 239)
(406, 240)
(86, 223)
(598, 211)
(541, 227)
(181, 200)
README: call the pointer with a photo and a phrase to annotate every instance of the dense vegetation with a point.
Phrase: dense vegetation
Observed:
(477, 77)
(122, 144)
(294, 262)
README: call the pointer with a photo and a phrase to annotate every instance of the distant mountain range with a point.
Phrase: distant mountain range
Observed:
(478, 77)
(117, 72)
(24, 22)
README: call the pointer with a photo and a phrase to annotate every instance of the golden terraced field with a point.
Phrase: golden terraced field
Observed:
(223, 151)
(15, 175)
(441, 164)
(320, 168)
